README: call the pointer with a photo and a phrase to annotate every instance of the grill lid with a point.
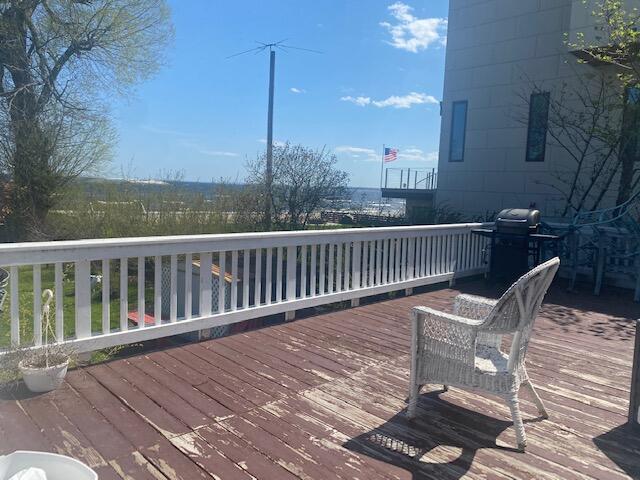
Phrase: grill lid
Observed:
(518, 221)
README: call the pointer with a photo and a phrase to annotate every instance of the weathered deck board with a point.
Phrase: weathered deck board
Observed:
(323, 397)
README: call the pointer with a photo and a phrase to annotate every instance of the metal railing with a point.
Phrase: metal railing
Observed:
(267, 273)
(410, 179)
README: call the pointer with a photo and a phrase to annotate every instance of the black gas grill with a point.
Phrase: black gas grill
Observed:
(516, 244)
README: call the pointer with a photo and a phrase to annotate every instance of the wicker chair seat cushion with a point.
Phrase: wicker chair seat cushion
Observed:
(491, 360)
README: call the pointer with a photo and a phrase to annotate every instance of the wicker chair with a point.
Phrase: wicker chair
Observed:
(463, 349)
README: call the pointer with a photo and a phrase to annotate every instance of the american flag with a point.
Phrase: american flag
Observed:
(390, 155)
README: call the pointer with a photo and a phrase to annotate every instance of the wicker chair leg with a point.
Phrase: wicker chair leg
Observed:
(536, 399)
(514, 406)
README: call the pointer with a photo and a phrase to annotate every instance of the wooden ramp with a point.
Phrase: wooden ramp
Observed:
(323, 398)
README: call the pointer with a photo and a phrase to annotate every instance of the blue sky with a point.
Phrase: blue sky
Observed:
(378, 81)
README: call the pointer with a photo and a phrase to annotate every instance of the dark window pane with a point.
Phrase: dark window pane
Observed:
(538, 121)
(458, 131)
(631, 125)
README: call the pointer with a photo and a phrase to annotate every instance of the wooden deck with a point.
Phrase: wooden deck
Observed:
(323, 398)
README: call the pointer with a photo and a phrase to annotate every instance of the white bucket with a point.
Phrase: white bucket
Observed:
(57, 467)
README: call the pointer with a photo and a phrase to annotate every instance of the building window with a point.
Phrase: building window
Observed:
(458, 131)
(538, 123)
(630, 144)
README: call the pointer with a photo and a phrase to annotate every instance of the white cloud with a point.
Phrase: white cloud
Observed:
(297, 90)
(217, 153)
(414, 34)
(360, 101)
(353, 150)
(395, 101)
(406, 101)
(361, 153)
(417, 155)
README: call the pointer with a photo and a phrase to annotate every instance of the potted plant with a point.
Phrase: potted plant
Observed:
(43, 368)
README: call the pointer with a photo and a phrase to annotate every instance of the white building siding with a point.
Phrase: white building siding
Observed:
(495, 49)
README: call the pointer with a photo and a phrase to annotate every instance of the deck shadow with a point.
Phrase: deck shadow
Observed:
(441, 442)
(610, 444)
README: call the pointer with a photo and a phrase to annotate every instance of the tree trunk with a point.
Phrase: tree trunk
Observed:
(33, 181)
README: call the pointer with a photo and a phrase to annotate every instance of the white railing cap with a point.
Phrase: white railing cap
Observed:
(28, 253)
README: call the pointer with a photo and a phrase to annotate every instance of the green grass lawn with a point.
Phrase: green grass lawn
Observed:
(26, 300)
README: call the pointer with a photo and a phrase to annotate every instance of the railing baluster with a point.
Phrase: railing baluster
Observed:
(430, 261)
(15, 306)
(268, 287)
(106, 296)
(234, 280)
(465, 251)
(404, 258)
(418, 258)
(347, 266)
(303, 271)
(141, 285)
(279, 279)
(398, 258)
(188, 286)
(330, 283)
(372, 265)
(323, 249)
(378, 274)
(364, 272)
(206, 280)
(313, 279)
(246, 269)
(83, 299)
(173, 299)
(257, 282)
(439, 253)
(124, 294)
(411, 261)
(157, 290)
(222, 281)
(385, 260)
(339, 283)
(37, 305)
(58, 283)
(355, 266)
(291, 273)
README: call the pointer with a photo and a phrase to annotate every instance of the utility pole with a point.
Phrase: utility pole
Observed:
(269, 172)
(272, 70)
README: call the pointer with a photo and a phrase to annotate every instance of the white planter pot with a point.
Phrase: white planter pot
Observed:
(43, 379)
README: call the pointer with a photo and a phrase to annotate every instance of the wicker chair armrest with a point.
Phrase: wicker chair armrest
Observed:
(445, 335)
(473, 306)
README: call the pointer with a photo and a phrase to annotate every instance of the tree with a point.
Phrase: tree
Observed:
(60, 60)
(303, 180)
(617, 45)
(584, 122)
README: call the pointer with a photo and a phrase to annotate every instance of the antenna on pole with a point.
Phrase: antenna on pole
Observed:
(272, 70)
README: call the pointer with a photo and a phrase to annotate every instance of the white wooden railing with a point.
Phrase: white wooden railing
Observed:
(269, 273)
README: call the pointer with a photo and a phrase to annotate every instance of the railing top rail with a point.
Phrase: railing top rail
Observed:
(95, 249)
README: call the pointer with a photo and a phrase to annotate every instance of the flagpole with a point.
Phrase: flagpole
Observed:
(382, 166)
